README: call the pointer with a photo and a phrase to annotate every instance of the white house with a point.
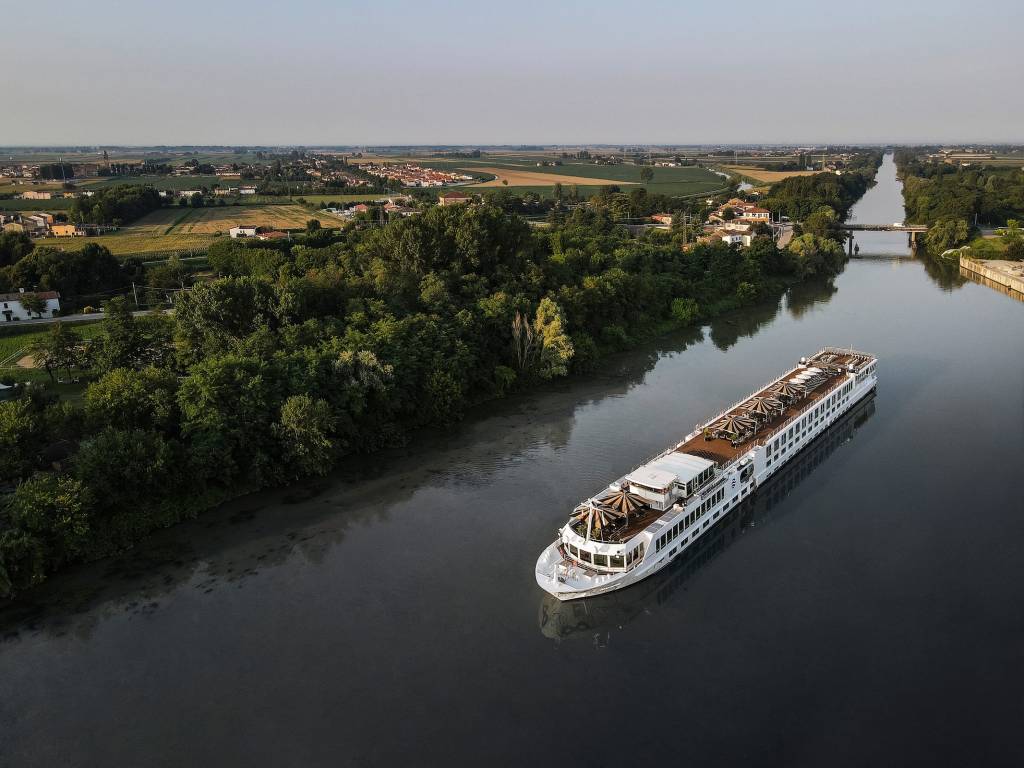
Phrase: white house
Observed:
(190, 192)
(13, 309)
(243, 231)
(247, 191)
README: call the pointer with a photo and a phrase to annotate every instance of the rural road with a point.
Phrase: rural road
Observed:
(78, 318)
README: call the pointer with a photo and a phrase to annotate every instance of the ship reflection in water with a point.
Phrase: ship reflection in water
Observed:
(597, 617)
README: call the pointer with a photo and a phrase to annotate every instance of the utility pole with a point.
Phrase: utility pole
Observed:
(134, 291)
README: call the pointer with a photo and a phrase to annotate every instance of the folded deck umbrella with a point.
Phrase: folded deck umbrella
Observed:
(732, 424)
(623, 503)
(594, 516)
(788, 390)
(759, 408)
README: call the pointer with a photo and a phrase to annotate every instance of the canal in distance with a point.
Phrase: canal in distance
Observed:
(864, 609)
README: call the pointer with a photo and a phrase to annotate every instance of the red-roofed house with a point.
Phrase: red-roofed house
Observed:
(742, 211)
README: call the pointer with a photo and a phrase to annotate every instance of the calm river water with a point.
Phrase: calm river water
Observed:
(866, 608)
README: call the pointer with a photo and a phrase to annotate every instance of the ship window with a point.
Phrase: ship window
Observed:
(617, 561)
(629, 557)
(573, 550)
(584, 556)
(601, 560)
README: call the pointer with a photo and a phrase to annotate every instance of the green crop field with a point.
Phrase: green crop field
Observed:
(128, 243)
(339, 198)
(669, 181)
(188, 230)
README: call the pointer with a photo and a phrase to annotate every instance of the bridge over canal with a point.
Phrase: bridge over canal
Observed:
(912, 230)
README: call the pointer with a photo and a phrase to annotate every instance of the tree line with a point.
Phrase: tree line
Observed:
(301, 353)
(953, 199)
(116, 205)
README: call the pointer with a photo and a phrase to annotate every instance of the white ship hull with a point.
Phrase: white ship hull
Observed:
(678, 529)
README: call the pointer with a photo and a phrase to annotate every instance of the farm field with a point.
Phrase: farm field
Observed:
(208, 221)
(669, 181)
(177, 230)
(766, 176)
(8, 186)
(505, 176)
(129, 243)
(364, 198)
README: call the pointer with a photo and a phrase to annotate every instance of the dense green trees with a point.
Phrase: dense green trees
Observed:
(14, 246)
(947, 232)
(90, 271)
(817, 256)
(934, 191)
(60, 350)
(303, 352)
(116, 205)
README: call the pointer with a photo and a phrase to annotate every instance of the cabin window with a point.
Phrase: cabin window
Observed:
(629, 558)
(573, 550)
(601, 560)
(617, 561)
(584, 556)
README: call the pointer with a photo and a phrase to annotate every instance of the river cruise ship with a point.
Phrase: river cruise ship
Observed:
(647, 518)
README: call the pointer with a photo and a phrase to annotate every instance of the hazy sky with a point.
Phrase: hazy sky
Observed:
(424, 72)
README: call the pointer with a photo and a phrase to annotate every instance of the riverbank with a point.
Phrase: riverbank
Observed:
(1005, 276)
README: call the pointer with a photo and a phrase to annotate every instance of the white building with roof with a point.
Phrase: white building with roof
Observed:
(11, 307)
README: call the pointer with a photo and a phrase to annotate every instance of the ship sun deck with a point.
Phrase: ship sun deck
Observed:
(723, 451)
